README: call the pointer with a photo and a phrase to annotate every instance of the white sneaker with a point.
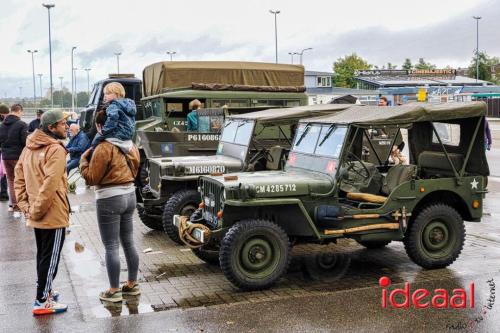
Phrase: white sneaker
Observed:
(48, 307)
(11, 209)
(17, 215)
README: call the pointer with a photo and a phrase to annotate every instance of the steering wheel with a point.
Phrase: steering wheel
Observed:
(363, 173)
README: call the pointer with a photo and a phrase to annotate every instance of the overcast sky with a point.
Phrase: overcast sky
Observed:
(441, 31)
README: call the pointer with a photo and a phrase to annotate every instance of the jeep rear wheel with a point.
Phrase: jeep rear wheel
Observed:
(183, 203)
(374, 244)
(436, 237)
(150, 221)
(254, 254)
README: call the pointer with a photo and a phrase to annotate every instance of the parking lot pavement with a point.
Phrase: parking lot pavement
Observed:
(173, 278)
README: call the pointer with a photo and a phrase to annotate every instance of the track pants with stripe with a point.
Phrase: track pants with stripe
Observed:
(49, 243)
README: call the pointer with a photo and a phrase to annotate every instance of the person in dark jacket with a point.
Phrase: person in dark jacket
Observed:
(487, 135)
(13, 133)
(35, 123)
(4, 196)
(76, 146)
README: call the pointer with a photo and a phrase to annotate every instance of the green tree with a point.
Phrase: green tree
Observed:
(407, 65)
(391, 66)
(82, 99)
(485, 63)
(424, 65)
(344, 69)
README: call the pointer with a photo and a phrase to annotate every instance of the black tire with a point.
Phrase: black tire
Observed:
(183, 202)
(374, 244)
(150, 221)
(207, 255)
(255, 238)
(435, 237)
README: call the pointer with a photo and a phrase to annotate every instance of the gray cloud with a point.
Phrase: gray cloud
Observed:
(104, 51)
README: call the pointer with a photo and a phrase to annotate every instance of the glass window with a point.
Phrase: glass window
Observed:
(216, 123)
(306, 138)
(229, 131)
(174, 107)
(331, 140)
(218, 103)
(244, 133)
(448, 133)
(293, 103)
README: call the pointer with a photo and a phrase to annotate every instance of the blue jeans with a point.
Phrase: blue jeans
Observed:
(74, 163)
(114, 217)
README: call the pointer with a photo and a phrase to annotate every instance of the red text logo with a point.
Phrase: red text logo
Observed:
(422, 298)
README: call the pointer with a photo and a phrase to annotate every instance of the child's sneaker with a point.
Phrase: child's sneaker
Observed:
(111, 296)
(48, 307)
(132, 291)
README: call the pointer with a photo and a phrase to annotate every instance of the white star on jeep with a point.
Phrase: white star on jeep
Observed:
(473, 184)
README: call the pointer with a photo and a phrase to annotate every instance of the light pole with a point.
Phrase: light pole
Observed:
(76, 90)
(275, 13)
(171, 53)
(302, 52)
(49, 6)
(118, 54)
(41, 91)
(62, 93)
(88, 80)
(72, 80)
(477, 18)
(292, 54)
(33, 66)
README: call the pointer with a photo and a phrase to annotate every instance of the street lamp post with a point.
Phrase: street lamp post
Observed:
(118, 54)
(49, 6)
(292, 54)
(275, 13)
(171, 53)
(76, 91)
(41, 91)
(477, 18)
(88, 80)
(72, 80)
(62, 93)
(33, 67)
(302, 52)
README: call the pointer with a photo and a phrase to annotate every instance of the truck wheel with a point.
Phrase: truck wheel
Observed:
(149, 221)
(373, 244)
(209, 256)
(254, 254)
(184, 203)
(436, 237)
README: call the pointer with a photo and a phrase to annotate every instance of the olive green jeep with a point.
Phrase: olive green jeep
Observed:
(253, 141)
(327, 191)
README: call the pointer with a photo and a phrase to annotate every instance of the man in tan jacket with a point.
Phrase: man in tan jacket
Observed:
(41, 187)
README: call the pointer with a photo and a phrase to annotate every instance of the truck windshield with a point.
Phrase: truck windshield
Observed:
(317, 147)
(238, 132)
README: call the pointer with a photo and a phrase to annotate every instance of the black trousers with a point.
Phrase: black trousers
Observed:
(3, 185)
(49, 243)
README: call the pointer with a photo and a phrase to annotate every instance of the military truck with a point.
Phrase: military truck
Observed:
(223, 88)
(327, 192)
(253, 141)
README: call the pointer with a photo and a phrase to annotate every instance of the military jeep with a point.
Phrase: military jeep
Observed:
(253, 141)
(327, 191)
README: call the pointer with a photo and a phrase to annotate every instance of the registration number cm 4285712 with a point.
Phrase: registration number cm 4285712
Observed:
(276, 188)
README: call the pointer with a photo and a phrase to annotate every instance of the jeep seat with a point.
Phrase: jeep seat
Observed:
(396, 175)
(435, 164)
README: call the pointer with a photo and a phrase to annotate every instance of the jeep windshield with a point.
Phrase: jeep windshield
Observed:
(235, 138)
(317, 147)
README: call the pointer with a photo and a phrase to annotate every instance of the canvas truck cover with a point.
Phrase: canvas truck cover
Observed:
(287, 115)
(367, 116)
(166, 75)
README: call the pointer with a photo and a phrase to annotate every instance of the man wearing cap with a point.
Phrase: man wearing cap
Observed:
(13, 133)
(35, 123)
(41, 187)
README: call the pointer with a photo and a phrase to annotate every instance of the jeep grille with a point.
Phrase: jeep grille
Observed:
(212, 190)
(154, 176)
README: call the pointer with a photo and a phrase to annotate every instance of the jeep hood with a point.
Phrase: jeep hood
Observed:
(199, 165)
(278, 183)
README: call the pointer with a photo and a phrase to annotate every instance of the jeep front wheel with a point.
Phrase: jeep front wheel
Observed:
(254, 254)
(436, 237)
(183, 203)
